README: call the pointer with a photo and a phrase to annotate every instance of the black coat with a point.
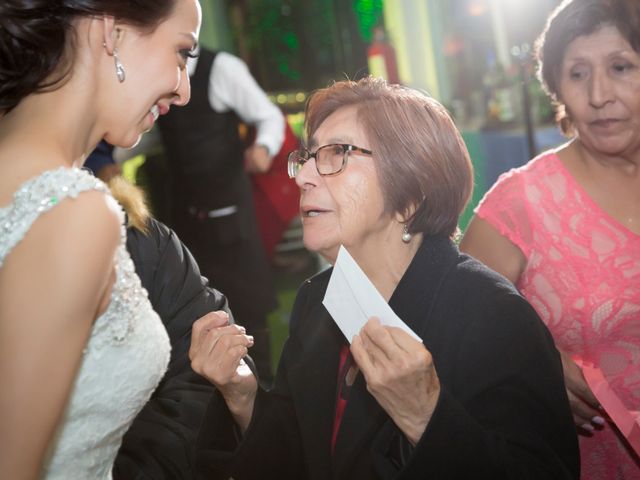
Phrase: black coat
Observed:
(159, 443)
(502, 413)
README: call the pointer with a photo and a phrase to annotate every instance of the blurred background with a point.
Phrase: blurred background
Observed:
(474, 56)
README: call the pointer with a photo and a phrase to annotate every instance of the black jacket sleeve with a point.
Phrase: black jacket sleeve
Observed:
(502, 413)
(159, 443)
(273, 433)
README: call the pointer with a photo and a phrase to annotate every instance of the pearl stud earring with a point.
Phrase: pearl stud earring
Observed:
(406, 236)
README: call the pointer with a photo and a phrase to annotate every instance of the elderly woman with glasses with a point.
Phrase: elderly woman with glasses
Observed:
(480, 395)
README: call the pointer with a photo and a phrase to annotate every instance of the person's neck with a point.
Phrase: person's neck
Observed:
(626, 164)
(385, 265)
(612, 182)
(59, 124)
(45, 131)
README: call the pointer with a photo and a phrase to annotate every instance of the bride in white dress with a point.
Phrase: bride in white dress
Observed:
(81, 350)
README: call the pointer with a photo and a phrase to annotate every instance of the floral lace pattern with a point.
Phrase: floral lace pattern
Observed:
(583, 278)
(127, 352)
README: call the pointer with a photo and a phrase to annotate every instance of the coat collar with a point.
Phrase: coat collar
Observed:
(412, 301)
(418, 288)
(313, 378)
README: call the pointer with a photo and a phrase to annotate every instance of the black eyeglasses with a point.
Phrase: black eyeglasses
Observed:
(330, 159)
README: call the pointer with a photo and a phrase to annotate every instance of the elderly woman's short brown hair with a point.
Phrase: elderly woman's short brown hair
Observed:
(423, 164)
(573, 19)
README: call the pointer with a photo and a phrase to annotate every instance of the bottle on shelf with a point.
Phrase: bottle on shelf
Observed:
(500, 95)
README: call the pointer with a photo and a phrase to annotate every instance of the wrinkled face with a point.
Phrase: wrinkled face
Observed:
(156, 75)
(600, 87)
(347, 208)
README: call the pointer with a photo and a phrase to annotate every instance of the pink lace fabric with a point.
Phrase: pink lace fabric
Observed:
(583, 278)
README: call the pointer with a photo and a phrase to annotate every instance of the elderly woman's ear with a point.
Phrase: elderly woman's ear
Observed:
(407, 216)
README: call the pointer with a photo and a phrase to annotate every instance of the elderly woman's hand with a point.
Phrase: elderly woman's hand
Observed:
(216, 353)
(400, 374)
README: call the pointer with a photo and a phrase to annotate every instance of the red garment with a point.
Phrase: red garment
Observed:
(341, 400)
(387, 52)
(276, 196)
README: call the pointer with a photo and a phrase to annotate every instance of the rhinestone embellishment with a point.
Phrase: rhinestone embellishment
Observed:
(42, 193)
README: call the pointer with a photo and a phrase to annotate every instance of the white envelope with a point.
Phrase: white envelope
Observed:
(352, 299)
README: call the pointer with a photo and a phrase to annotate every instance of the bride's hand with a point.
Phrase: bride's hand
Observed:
(217, 352)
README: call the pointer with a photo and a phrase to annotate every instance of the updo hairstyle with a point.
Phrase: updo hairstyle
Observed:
(34, 35)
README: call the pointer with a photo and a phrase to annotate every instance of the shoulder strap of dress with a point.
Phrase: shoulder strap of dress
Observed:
(37, 196)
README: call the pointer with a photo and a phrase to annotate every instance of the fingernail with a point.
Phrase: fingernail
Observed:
(598, 420)
(588, 427)
(250, 339)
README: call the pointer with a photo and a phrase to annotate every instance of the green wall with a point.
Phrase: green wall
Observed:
(215, 32)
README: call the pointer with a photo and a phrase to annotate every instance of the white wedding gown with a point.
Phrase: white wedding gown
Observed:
(125, 357)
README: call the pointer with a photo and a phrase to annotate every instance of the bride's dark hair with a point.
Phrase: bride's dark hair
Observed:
(34, 35)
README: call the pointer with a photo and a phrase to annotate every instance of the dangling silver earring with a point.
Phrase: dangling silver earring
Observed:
(406, 236)
(119, 68)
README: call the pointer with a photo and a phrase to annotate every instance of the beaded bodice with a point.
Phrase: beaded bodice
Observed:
(126, 354)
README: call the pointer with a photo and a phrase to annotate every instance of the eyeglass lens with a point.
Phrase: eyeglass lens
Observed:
(330, 159)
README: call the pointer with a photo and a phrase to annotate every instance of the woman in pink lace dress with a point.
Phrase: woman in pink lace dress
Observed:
(565, 228)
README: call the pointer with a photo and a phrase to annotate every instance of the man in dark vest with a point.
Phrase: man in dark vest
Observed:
(212, 205)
